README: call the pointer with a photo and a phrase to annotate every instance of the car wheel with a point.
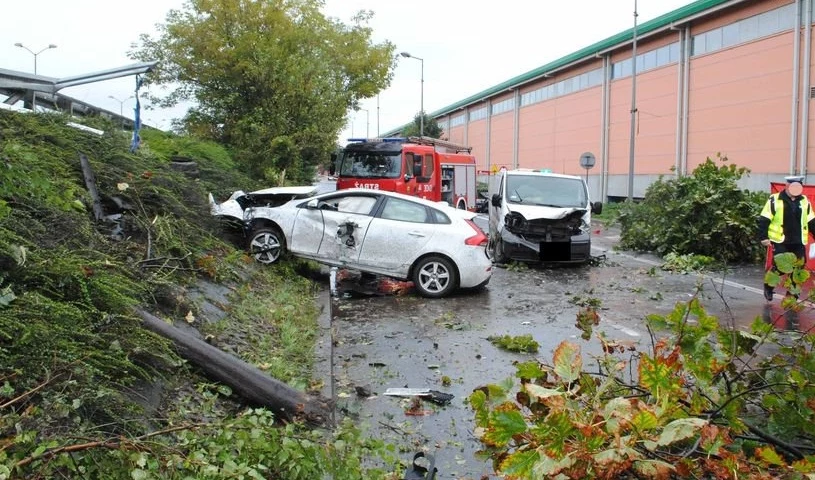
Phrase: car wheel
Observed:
(462, 205)
(266, 245)
(435, 277)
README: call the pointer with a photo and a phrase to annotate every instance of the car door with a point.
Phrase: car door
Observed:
(345, 218)
(397, 235)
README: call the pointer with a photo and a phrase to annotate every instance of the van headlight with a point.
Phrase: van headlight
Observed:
(585, 228)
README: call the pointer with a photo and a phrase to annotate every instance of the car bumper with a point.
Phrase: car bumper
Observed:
(474, 268)
(576, 250)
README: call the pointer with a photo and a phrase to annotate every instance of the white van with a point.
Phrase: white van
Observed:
(538, 216)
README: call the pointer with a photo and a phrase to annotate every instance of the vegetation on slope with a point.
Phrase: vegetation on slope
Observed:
(84, 389)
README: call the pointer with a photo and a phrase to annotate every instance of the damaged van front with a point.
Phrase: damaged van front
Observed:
(538, 216)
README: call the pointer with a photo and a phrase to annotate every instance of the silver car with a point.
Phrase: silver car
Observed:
(436, 246)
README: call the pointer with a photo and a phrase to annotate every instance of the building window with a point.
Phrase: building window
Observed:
(745, 30)
(457, 120)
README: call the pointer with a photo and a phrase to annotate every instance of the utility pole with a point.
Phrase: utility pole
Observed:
(633, 110)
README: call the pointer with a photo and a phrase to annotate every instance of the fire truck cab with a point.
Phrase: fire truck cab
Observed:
(425, 167)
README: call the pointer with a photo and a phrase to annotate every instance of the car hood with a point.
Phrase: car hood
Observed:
(232, 207)
(534, 212)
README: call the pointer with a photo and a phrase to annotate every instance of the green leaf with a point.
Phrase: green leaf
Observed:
(680, 429)
(653, 468)
(541, 392)
(645, 420)
(139, 474)
(769, 455)
(504, 425)
(568, 361)
(530, 370)
(549, 467)
(785, 262)
(520, 464)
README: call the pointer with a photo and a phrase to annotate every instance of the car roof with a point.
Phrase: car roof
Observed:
(539, 173)
(423, 201)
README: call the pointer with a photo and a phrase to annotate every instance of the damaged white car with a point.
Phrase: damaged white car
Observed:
(437, 247)
(233, 208)
(538, 216)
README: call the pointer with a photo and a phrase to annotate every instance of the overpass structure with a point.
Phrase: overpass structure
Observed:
(38, 91)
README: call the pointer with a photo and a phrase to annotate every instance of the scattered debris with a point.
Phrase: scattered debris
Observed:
(439, 398)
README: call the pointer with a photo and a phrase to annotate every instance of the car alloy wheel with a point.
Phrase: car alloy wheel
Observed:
(435, 277)
(266, 245)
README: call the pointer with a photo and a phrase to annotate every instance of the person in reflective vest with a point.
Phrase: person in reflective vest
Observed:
(785, 222)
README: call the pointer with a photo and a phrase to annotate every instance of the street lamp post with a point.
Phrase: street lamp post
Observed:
(421, 107)
(367, 124)
(34, 94)
(121, 107)
(50, 46)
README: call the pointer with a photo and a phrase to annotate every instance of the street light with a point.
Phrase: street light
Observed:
(367, 124)
(421, 108)
(121, 106)
(50, 46)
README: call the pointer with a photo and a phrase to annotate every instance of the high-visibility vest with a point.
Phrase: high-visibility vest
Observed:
(774, 211)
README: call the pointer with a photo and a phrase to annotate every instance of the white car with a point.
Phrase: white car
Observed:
(436, 246)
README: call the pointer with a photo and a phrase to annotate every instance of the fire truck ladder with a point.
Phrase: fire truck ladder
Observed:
(436, 142)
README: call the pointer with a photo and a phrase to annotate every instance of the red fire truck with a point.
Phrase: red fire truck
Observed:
(422, 166)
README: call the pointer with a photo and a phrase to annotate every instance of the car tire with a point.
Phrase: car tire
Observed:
(435, 277)
(266, 245)
(462, 205)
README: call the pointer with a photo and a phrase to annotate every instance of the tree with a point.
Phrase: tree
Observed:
(265, 72)
(431, 127)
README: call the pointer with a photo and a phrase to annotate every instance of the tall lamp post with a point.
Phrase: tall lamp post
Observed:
(34, 94)
(121, 107)
(367, 124)
(50, 46)
(421, 107)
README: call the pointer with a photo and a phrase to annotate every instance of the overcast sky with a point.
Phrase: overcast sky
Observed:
(466, 46)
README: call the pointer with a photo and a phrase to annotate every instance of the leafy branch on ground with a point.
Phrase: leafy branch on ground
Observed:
(704, 213)
(704, 400)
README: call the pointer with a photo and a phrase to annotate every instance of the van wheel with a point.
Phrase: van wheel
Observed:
(461, 205)
(434, 277)
(266, 245)
(496, 248)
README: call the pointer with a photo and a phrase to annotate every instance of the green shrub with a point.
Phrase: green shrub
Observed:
(704, 213)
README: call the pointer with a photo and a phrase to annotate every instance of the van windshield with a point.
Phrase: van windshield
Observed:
(371, 165)
(546, 191)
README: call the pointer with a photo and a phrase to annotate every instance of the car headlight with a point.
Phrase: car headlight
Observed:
(585, 228)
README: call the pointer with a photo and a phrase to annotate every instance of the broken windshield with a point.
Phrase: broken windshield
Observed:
(371, 165)
(547, 191)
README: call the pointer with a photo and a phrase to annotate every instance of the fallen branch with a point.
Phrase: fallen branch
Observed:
(111, 443)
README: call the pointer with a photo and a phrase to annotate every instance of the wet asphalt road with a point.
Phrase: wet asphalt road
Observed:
(375, 342)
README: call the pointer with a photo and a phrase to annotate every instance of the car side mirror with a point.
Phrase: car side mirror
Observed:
(407, 177)
(597, 207)
(496, 200)
(312, 204)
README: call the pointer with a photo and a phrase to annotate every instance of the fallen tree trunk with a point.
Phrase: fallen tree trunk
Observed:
(90, 182)
(248, 381)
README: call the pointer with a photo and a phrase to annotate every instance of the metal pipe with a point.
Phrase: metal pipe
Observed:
(685, 100)
(516, 134)
(680, 95)
(604, 115)
(631, 143)
(796, 54)
(805, 114)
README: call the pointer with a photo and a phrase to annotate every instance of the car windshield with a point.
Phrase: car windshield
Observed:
(548, 191)
(371, 165)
